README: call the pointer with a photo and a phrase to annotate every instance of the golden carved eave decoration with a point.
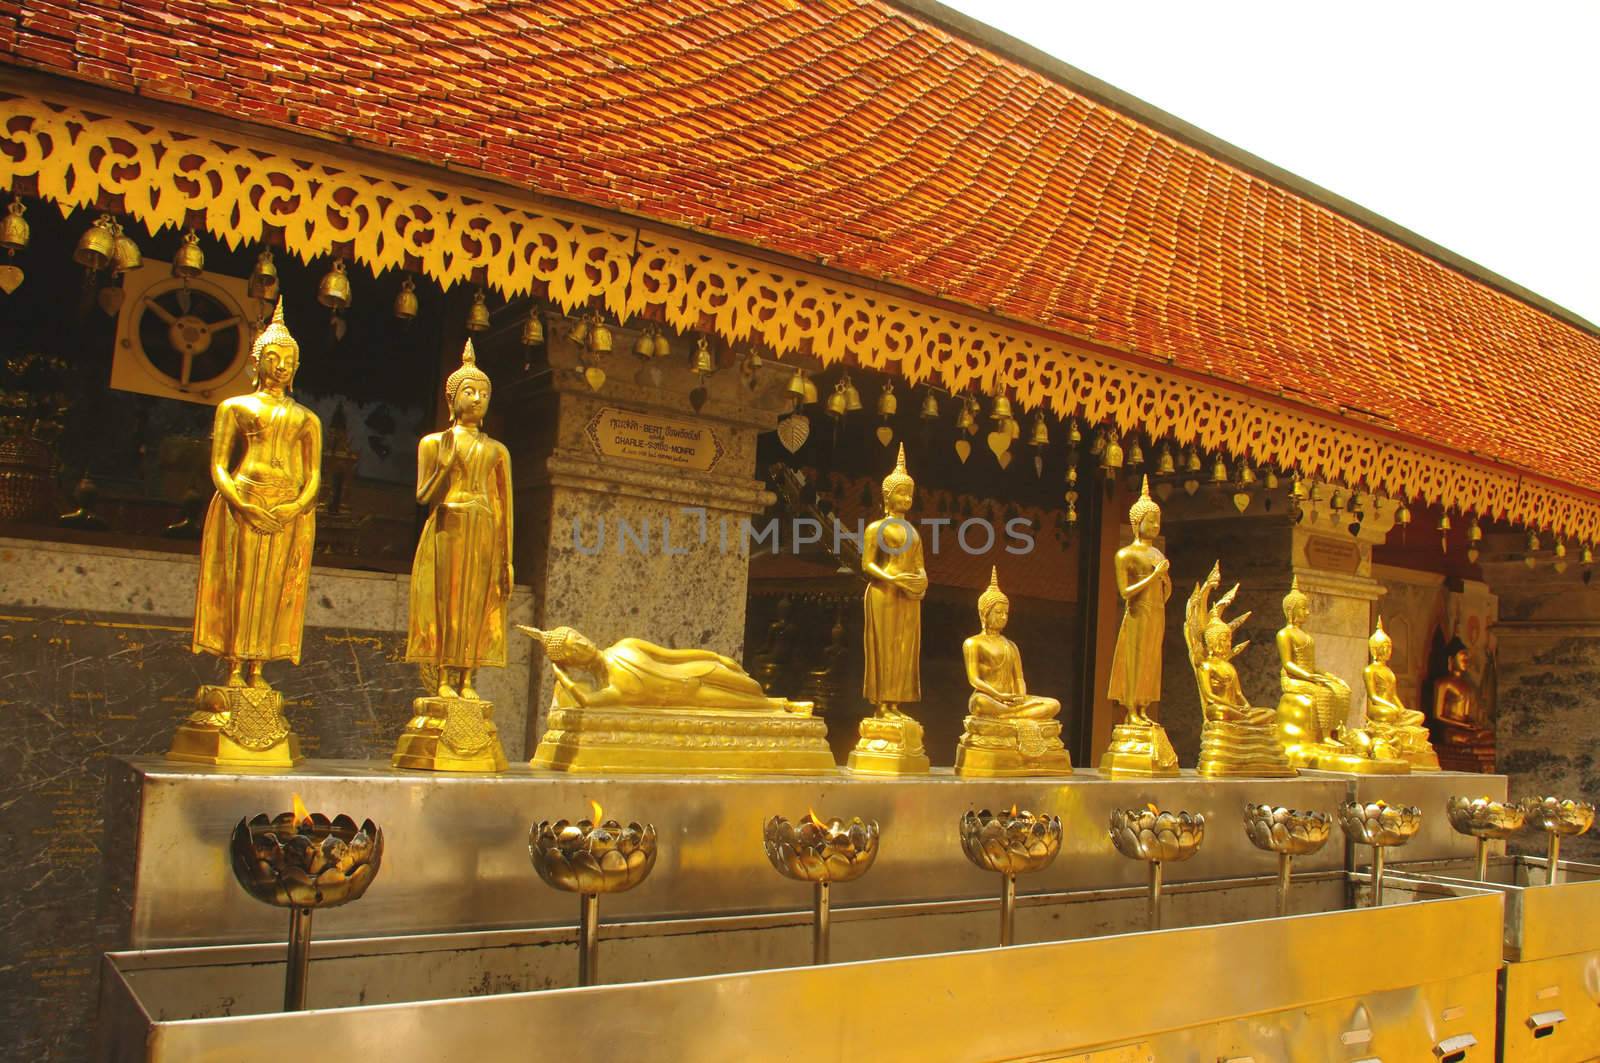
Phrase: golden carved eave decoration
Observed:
(315, 203)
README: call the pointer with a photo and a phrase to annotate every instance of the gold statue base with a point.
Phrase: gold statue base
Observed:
(889, 747)
(1348, 763)
(1139, 751)
(239, 727)
(992, 748)
(1230, 750)
(692, 741)
(450, 734)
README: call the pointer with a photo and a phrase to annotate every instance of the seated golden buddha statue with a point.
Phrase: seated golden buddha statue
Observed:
(637, 706)
(1389, 721)
(1008, 731)
(1463, 740)
(1314, 711)
(1236, 738)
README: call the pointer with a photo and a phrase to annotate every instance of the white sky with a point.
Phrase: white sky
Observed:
(1474, 124)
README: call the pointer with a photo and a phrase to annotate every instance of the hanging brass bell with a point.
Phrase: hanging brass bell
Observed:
(599, 337)
(1111, 456)
(533, 328)
(96, 245)
(811, 391)
(1402, 516)
(1002, 409)
(1074, 433)
(478, 313)
(1219, 471)
(1072, 469)
(1165, 466)
(263, 283)
(663, 345)
(580, 332)
(965, 422)
(1337, 501)
(887, 402)
(1474, 532)
(930, 406)
(1533, 541)
(124, 250)
(852, 397)
(1191, 460)
(1444, 522)
(703, 361)
(1072, 512)
(1271, 479)
(333, 291)
(837, 403)
(14, 228)
(1588, 555)
(1039, 436)
(405, 300)
(1247, 475)
(645, 345)
(188, 262)
(1136, 453)
(797, 386)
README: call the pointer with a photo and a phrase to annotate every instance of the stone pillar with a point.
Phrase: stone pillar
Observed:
(631, 503)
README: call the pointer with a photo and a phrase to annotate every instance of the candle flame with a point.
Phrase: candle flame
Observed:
(1013, 810)
(1154, 811)
(1381, 803)
(811, 814)
(301, 816)
(595, 811)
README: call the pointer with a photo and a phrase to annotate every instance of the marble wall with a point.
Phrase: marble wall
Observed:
(95, 663)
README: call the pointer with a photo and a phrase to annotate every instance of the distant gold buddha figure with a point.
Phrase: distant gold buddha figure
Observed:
(1236, 738)
(1390, 722)
(1458, 724)
(1314, 710)
(255, 551)
(461, 581)
(255, 559)
(634, 673)
(891, 560)
(1139, 745)
(1008, 731)
(461, 575)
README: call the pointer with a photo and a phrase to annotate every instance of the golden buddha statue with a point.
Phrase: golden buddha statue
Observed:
(461, 581)
(1314, 711)
(1401, 729)
(637, 706)
(1464, 743)
(255, 558)
(891, 559)
(1008, 731)
(1139, 745)
(1236, 738)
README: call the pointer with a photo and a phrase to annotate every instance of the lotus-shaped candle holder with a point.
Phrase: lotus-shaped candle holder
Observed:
(1483, 819)
(1381, 826)
(591, 857)
(821, 853)
(1011, 843)
(1559, 818)
(1157, 837)
(303, 861)
(1289, 833)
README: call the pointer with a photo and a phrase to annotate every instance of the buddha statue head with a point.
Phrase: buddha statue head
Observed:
(1219, 638)
(1458, 658)
(1145, 515)
(274, 356)
(467, 390)
(1380, 645)
(898, 486)
(564, 645)
(994, 608)
(1296, 606)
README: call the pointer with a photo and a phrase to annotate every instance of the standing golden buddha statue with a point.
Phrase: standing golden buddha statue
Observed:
(1139, 745)
(1008, 732)
(461, 581)
(1314, 713)
(891, 559)
(255, 558)
(1403, 730)
(1236, 738)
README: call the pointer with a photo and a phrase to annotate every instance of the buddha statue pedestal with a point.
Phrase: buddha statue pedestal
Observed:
(450, 734)
(889, 747)
(1139, 750)
(238, 727)
(993, 748)
(686, 740)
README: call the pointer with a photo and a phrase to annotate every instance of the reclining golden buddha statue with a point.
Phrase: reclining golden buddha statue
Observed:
(637, 706)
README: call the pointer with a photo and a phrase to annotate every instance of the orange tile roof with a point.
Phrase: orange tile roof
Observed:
(851, 133)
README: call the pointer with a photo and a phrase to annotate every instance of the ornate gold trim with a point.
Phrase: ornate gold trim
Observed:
(78, 155)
